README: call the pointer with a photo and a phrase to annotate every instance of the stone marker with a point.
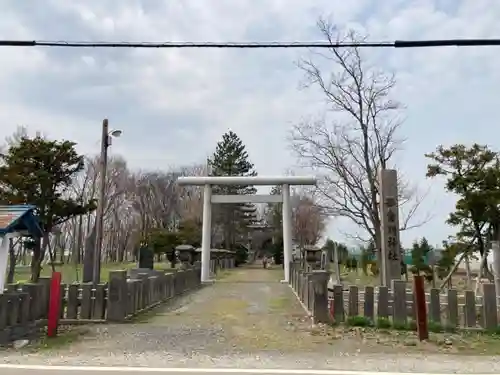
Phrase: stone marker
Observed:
(389, 220)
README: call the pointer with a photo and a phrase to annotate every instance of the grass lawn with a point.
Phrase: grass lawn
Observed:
(73, 273)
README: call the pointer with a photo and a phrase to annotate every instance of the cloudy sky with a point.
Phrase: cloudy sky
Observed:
(173, 105)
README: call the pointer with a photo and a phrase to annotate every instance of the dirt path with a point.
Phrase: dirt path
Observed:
(248, 310)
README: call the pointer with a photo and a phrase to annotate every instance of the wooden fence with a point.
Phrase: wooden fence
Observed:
(311, 288)
(24, 307)
(395, 305)
(448, 309)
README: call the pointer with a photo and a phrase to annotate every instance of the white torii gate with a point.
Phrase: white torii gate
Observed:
(209, 199)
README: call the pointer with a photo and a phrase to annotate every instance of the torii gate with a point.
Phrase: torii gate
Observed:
(209, 199)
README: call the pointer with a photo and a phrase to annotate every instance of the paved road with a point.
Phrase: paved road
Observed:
(84, 370)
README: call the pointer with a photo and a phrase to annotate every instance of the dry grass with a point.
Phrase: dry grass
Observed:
(73, 273)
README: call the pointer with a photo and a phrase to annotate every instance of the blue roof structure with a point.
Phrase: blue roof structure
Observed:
(19, 218)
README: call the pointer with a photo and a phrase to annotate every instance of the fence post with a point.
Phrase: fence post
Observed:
(4, 329)
(299, 282)
(338, 303)
(319, 306)
(399, 310)
(435, 306)
(45, 295)
(117, 295)
(489, 313)
(86, 301)
(452, 297)
(197, 267)
(54, 304)
(353, 301)
(369, 303)
(293, 278)
(31, 289)
(470, 309)
(99, 308)
(418, 289)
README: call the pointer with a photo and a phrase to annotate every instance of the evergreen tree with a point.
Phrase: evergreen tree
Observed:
(419, 258)
(41, 172)
(231, 159)
(274, 219)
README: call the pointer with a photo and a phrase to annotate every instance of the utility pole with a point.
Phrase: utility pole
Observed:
(495, 266)
(103, 166)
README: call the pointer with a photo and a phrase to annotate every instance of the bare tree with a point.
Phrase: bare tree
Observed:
(308, 220)
(191, 197)
(136, 202)
(349, 150)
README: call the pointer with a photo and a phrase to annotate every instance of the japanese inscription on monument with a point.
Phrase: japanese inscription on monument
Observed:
(392, 230)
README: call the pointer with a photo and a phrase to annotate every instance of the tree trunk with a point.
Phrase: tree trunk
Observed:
(480, 273)
(377, 240)
(62, 249)
(24, 253)
(79, 240)
(12, 262)
(121, 253)
(38, 256)
(468, 272)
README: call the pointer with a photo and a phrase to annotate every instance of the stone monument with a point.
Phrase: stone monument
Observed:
(390, 254)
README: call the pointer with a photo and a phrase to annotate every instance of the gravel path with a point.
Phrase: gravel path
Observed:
(248, 319)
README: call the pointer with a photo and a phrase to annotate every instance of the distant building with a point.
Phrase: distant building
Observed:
(474, 263)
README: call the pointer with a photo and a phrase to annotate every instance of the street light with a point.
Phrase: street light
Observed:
(115, 133)
(103, 164)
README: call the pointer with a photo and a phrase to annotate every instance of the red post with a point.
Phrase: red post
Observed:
(420, 307)
(54, 304)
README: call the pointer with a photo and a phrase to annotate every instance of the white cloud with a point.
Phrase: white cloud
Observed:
(173, 105)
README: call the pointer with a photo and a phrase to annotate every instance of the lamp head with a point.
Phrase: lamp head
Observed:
(115, 133)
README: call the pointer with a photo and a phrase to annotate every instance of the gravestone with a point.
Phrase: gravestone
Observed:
(146, 257)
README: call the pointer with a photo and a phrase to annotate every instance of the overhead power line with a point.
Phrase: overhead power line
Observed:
(252, 45)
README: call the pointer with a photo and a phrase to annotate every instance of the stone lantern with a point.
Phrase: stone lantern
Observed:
(312, 257)
(185, 253)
